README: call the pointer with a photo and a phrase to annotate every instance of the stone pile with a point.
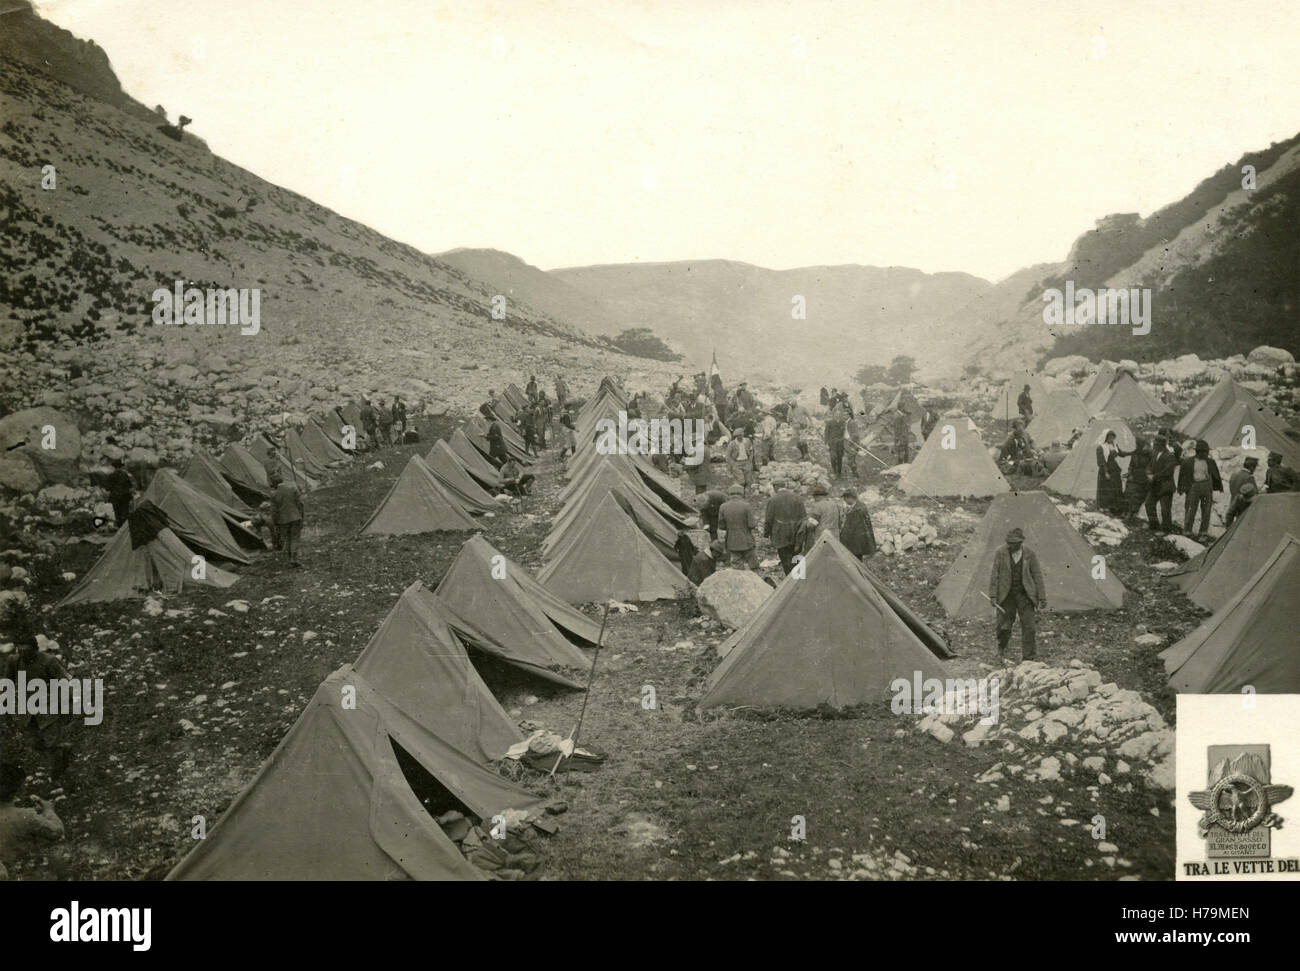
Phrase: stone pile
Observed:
(1096, 527)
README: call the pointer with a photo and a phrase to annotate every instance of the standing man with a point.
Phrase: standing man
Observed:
(543, 415)
(120, 490)
(902, 437)
(528, 427)
(1278, 477)
(825, 512)
(767, 429)
(857, 534)
(385, 418)
(737, 521)
(835, 440)
(531, 390)
(782, 522)
(1160, 489)
(497, 443)
(701, 475)
(1016, 587)
(399, 418)
(1198, 480)
(1026, 405)
(855, 428)
(286, 515)
(561, 392)
(740, 459)
(929, 418)
(369, 423)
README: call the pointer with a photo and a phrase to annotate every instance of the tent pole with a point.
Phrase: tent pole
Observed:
(591, 675)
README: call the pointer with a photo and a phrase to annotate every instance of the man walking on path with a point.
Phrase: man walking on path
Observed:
(783, 520)
(286, 516)
(857, 534)
(1016, 588)
(835, 440)
(1198, 480)
(737, 521)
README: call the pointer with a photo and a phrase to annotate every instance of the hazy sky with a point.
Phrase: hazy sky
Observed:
(957, 135)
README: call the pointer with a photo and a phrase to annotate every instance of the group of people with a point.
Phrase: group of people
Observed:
(379, 422)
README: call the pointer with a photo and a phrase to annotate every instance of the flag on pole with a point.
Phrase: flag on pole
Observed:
(713, 368)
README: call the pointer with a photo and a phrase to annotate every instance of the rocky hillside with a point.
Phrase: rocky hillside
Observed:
(855, 314)
(343, 309)
(1223, 264)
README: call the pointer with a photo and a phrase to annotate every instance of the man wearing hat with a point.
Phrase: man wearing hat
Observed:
(1241, 502)
(1243, 475)
(705, 563)
(708, 503)
(1160, 486)
(825, 513)
(1278, 477)
(1198, 480)
(1016, 588)
(856, 534)
(737, 521)
(286, 515)
(782, 522)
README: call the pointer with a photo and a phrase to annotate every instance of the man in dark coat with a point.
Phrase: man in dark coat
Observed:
(1026, 405)
(902, 437)
(48, 732)
(120, 489)
(737, 521)
(1161, 487)
(1279, 477)
(709, 503)
(1243, 475)
(685, 549)
(783, 519)
(835, 424)
(497, 443)
(1241, 502)
(705, 563)
(1198, 480)
(1016, 588)
(531, 390)
(857, 534)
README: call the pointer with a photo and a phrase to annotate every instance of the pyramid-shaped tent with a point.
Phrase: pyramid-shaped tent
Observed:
(332, 425)
(145, 555)
(1125, 398)
(499, 598)
(1062, 413)
(205, 474)
(1221, 417)
(333, 802)
(1077, 474)
(418, 663)
(448, 470)
(206, 525)
(1064, 555)
(827, 638)
(964, 470)
(478, 435)
(637, 503)
(302, 456)
(417, 503)
(351, 415)
(609, 558)
(475, 464)
(1098, 382)
(1211, 578)
(320, 447)
(1250, 640)
(515, 396)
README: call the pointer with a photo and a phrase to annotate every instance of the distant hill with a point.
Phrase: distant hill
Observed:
(855, 314)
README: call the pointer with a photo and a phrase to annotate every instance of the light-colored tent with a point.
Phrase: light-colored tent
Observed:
(1250, 640)
(963, 470)
(498, 597)
(1126, 398)
(332, 425)
(1098, 382)
(639, 503)
(475, 464)
(317, 443)
(478, 435)
(1007, 405)
(1077, 474)
(1064, 556)
(205, 474)
(1211, 578)
(161, 562)
(417, 503)
(1062, 413)
(333, 802)
(455, 478)
(827, 638)
(610, 558)
(418, 663)
(1221, 417)
(206, 525)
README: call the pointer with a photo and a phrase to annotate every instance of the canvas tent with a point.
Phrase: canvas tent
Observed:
(332, 425)
(318, 444)
(1077, 474)
(636, 503)
(205, 474)
(1064, 555)
(828, 638)
(333, 802)
(964, 470)
(477, 434)
(1221, 417)
(475, 464)
(515, 396)
(1098, 382)
(1125, 398)
(302, 456)
(452, 475)
(610, 558)
(246, 474)
(1250, 640)
(417, 503)
(145, 555)
(1212, 577)
(1061, 413)
(513, 609)
(351, 415)
(418, 663)
(206, 525)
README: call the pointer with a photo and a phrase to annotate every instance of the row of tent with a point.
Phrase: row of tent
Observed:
(1058, 412)
(187, 530)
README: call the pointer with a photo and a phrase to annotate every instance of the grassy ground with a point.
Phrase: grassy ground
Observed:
(198, 696)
